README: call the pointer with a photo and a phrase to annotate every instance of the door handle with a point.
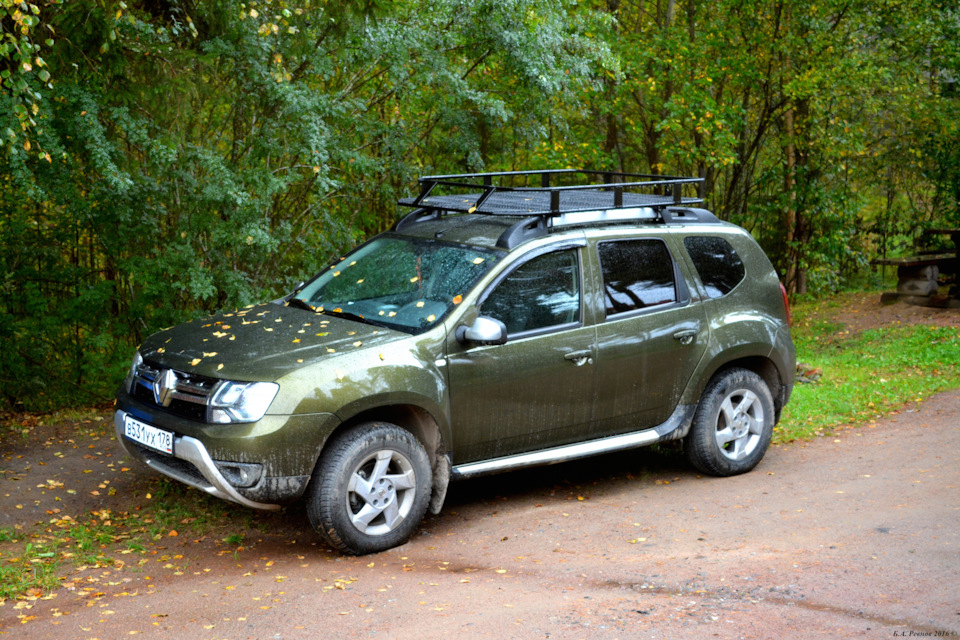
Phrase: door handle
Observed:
(686, 336)
(579, 358)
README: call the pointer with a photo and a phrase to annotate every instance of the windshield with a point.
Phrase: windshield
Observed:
(403, 283)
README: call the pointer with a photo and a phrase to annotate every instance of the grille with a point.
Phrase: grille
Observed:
(172, 466)
(189, 396)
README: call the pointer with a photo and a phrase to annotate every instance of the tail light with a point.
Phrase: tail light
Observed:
(786, 303)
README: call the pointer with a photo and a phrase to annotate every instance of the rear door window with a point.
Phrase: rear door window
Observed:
(637, 274)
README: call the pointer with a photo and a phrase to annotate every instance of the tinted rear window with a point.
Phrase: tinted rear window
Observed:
(719, 266)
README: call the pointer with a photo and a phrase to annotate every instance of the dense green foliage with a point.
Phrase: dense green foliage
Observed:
(164, 158)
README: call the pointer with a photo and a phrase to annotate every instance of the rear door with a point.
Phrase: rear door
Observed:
(651, 335)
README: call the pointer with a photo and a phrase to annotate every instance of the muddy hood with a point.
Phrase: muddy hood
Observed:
(260, 343)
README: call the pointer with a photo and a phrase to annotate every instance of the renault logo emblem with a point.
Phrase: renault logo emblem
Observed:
(163, 387)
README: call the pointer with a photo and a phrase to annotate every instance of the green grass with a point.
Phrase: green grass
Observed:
(867, 375)
(33, 567)
(235, 539)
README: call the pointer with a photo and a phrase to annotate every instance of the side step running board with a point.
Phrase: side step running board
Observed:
(676, 426)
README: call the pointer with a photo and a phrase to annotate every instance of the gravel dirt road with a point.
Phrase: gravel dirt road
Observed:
(852, 535)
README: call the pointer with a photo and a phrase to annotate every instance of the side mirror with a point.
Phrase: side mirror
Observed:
(484, 330)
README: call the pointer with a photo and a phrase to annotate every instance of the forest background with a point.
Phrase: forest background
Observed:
(161, 159)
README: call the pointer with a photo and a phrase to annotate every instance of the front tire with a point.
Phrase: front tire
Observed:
(370, 489)
(733, 425)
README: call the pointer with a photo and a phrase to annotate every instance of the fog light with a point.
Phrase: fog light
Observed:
(241, 474)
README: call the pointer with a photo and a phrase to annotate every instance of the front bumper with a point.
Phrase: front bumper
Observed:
(199, 471)
(284, 448)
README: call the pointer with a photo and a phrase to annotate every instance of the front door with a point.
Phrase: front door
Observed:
(537, 390)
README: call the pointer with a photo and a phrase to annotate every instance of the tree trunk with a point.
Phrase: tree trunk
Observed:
(790, 212)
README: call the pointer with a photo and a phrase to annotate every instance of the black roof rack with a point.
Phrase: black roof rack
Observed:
(581, 197)
(600, 190)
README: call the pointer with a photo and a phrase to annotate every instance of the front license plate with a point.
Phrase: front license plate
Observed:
(149, 436)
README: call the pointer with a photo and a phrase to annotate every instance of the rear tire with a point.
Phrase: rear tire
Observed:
(370, 489)
(733, 424)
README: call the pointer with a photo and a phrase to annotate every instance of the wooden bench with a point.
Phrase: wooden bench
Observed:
(918, 279)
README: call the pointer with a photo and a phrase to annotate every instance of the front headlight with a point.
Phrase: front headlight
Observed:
(132, 373)
(241, 401)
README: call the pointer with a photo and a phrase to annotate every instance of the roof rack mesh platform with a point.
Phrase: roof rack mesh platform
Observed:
(586, 191)
(595, 197)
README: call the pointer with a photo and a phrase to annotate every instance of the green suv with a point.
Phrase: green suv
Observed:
(497, 326)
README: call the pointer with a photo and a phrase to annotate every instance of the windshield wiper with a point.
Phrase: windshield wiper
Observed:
(349, 315)
(301, 303)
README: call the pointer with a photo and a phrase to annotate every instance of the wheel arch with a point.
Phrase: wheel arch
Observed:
(412, 418)
(424, 427)
(763, 367)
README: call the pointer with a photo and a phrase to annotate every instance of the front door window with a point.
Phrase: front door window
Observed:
(541, 294)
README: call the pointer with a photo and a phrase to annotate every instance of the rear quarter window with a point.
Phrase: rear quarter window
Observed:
(717, 263)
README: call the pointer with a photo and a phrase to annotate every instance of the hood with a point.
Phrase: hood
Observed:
(261, 342)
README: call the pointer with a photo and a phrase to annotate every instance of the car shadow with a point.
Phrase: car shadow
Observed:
(607, 473)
